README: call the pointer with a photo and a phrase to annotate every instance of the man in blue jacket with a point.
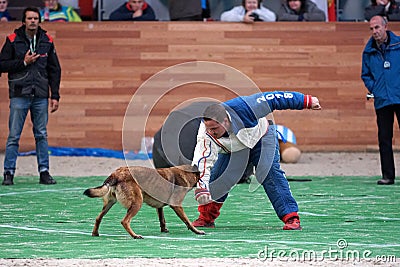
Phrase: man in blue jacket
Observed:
(236, 133)
(381, 76)
(30, 59)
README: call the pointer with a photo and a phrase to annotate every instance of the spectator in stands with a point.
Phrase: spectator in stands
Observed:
(300, 10)
(4, 15)
(249, 12)
(206, 11)
(386, 8)
(185, 10)
(55, 12)
(72, 3)
(137, 10)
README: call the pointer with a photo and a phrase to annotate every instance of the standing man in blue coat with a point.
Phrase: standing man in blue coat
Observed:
(236, 133)
(381, 76)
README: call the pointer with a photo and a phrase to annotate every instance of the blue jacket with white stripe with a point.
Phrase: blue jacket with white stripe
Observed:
(245, 112)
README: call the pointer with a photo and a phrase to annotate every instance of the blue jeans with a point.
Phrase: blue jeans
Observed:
(265, 156)
(19, 107)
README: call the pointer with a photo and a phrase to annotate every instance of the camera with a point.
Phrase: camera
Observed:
(255, 16)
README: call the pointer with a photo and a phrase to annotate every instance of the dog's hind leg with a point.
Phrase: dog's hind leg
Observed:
(161, 218)
(106, 207)
(126, 221)
(181, 214)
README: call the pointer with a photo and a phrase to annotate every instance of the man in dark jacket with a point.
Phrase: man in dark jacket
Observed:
(380, 73)
(29, 58)
(185, 10)
(385, 8)
(137, 10)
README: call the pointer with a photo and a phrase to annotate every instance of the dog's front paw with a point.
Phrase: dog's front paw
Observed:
(164, 230)
(138, 237)
(95, 234)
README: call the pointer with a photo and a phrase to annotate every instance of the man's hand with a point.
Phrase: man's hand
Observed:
(202, 196)
(137, 13)
(247, 18)
(382, 2)
(30, 57)
(315, 103)
(53, 105)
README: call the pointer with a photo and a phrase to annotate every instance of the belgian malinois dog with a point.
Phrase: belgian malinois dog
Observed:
(131, 186)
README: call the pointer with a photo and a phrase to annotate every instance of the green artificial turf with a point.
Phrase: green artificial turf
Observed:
(341, 217)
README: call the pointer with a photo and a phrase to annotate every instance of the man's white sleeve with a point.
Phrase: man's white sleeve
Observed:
(205, 155)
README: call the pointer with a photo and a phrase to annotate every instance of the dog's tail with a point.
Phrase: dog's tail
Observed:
(99, 191)
(102, 190)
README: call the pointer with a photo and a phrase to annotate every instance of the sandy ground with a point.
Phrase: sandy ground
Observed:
(310, 164)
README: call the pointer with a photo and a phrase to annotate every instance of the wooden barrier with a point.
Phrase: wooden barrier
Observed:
(104, 64)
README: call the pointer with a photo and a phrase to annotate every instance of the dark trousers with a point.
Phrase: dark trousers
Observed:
(385, 121)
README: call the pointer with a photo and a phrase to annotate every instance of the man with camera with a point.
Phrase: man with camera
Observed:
(249, 12)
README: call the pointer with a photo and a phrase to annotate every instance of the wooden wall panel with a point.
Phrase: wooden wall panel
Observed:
(105, 63)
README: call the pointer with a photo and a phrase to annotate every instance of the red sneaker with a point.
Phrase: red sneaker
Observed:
(292, 224)
(202, 223)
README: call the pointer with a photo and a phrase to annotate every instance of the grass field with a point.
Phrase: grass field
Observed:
(341, 217)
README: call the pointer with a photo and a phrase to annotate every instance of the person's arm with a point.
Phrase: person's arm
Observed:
(265, 14)
(73, 16)
(394, 13)
(6, 16)
(121, 14)
(314, 14)
(366, 74)
(7, 61)
(9, 17)
(371, 11)
(285, 15)
(236, 14)
(148, 15)
(204, 157)
(264, 103)
(54, 73)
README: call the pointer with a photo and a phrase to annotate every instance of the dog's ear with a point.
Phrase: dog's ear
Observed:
(189, 168)
(195, 169)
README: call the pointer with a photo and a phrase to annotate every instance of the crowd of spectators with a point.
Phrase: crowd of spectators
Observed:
(248, 11)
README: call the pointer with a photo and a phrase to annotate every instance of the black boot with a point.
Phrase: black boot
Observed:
(45, 178)
(8, 178)
(385, 181)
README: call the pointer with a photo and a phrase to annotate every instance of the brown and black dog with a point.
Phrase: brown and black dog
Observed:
(131, 186)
